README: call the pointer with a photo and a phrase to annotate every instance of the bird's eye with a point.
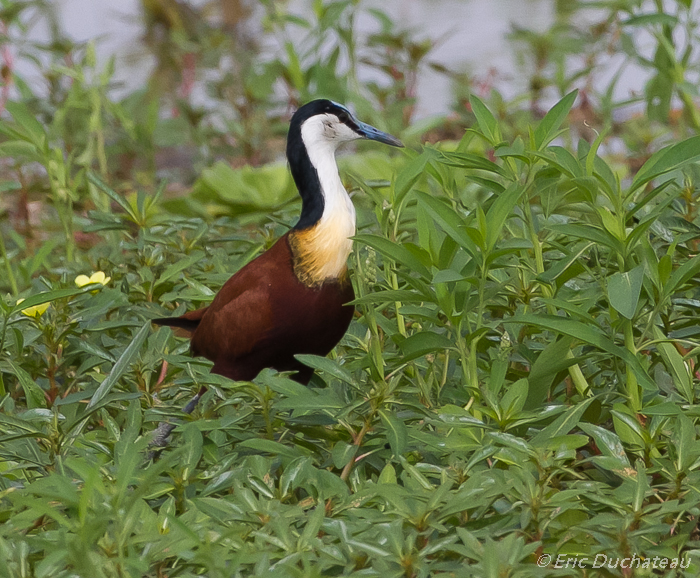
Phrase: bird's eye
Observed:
(343, 116)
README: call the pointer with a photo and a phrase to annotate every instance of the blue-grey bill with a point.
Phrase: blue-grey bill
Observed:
(372, 133)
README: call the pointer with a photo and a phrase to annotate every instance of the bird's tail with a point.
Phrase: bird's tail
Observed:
(185, 325)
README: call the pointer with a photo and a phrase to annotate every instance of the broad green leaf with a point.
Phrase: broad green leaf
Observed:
(562, 159)
(590, 233)
(667, 159)
(608, 443)
(588, 334)
(553, 359)
(624, 290)
(548, 127)
(343, 453)
(396, 432)
(487, 123)
(116, 197)
(675, 365)
(294, 475)
(48, 296)
(391, 295)
(20, 150)
(31, 126)
(563, 424)
(650, 19)
(394, 251)
(448, 220)
(628, 427)
(387, 475)
(499, 211)
(424, 342)
(559, 268)
(272, 447)
(293, 68)
(326, 400)
(687, 447)
(682, 275)
(193, 443)
(120, 367)
(179, 266)
(329, 366)
(312, 526)
(409, 174)
(32, 392)
(471, 161)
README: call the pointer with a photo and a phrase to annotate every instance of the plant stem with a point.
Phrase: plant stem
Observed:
(8, 267)
(575, 372)
(357, 442)
(632, 385)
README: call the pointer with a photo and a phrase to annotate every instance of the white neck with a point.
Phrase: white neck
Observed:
(328, 242)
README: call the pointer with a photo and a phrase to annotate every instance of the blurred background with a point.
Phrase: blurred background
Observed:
(190, 91)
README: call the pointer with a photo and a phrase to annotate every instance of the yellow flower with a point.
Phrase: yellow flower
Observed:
(35, 311)
(99, 277)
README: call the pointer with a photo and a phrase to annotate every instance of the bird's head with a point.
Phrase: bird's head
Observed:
(324, 123)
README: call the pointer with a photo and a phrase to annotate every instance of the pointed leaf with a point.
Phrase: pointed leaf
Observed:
(624, 290)
(548, 128)
(396, 432)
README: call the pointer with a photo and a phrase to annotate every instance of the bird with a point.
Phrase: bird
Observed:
(295, 297)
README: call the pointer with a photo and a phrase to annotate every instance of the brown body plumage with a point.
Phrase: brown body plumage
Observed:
(264, 315)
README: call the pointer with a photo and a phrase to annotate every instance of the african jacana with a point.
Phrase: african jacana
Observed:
(294, 297)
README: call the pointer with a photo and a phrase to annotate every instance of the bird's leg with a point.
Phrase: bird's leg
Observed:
(162, 432)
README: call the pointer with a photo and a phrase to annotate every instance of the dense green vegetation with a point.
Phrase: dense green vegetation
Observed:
(520, 380)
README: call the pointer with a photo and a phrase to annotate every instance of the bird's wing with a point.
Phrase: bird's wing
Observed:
(241, 314)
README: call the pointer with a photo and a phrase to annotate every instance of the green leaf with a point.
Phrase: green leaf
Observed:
(553, 359)
(650, 19)
(624, 290)
(590, 233)
(675, 365)
(682, 275)
(393, 251)
(48, 296)
(396, 432)
(608, 443)
(424, 342)
(294, 71)
(471, 161)
(563, 424)
(116, 197)
(272, 447)
(20, 150)
(588, 334)
(32, 392)
(487, 123)
(179, 266)
(343, 453)
(387, 475)
(33, 129)
(687, 448)
(409, 174)
(118, 369)
(449, 221)
(499, 211)
(294, 475)
(192, 453)
(329, 366)
(562, 265)
(563, 160)
(548, 127)
(667, 159)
